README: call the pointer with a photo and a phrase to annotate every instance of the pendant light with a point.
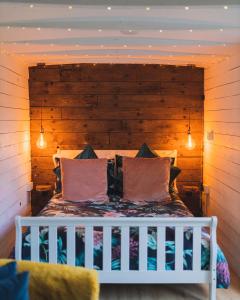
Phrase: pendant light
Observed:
(190, 142)
(41, 141)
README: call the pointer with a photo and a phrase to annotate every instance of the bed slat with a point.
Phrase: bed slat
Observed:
(125, 248)
(107, 248)
(53, 244)
(143, 247)
(196, 260)
(161, 256)
(89, 247)
(35, 243)
(178, 248)
(71, 245)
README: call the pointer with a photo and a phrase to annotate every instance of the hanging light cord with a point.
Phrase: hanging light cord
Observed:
(41, 117)
(189, 121)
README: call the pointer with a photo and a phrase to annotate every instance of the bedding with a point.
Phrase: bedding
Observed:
(171, 208)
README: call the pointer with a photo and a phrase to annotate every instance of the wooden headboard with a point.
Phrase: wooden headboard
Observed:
(111, 153)
(117, 106)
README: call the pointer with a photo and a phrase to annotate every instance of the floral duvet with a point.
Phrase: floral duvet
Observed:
(173, 208)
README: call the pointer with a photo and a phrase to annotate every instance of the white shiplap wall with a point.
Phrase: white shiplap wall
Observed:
(15, 171)
(222, 153)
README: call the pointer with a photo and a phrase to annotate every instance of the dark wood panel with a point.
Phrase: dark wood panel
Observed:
(117, 106)
(100, 72)
(120, 87)
(130, 114)
(44, 163)
(189, 162)
(85, 126)
(64, 100)
(172, 139)
(44, 74)
(116, 72)
(162, 126)
(74, 113)
(166, 73)
(51, 113)
(150, 101)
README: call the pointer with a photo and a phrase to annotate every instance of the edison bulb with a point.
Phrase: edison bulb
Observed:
(41, 142)
(190, 143)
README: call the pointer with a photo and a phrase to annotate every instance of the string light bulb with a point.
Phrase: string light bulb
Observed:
(190, 142)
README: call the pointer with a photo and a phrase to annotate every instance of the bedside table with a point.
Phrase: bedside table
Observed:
(40, 197)
(191, 196)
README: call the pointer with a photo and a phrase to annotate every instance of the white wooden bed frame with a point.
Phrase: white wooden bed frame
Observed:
(124, 275)
(143, 275)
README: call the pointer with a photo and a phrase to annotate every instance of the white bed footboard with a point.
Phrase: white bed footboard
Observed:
(124, 275)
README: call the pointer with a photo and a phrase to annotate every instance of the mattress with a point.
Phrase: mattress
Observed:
(171, 208)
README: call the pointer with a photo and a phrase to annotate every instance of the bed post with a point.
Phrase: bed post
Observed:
(18, 242)
(213, 260)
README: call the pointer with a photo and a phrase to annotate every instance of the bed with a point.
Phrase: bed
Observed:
(126, 242)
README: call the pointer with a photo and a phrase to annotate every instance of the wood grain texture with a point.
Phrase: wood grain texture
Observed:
(116, 107)
(222, 153)
(15, 169)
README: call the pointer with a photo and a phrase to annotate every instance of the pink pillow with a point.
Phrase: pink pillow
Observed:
(84, 179)
(146, 179)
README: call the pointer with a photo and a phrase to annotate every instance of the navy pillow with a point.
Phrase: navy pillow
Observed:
(8, 270)
(15, 287)
(174, 172)
(87, 153)
(146, 152)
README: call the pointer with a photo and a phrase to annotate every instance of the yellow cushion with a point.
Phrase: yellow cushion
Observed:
(59, 282)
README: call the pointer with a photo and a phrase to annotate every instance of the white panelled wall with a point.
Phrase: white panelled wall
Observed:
(222, 153)
(15, 171)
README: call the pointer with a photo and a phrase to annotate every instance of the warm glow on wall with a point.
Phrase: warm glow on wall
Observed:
(190, 142)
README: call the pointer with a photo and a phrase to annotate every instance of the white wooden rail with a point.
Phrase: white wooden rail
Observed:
(124, 275)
